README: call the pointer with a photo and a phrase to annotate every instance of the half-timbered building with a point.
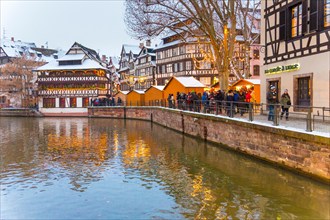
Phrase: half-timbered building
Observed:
(67, 86)
(145, 68)
(189, 57)
(127, 66)
(296, 39)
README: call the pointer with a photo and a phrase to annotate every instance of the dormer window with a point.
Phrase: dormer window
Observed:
(69, 62)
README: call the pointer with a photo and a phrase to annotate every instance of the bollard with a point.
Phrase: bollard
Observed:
(309, 120)
(250, 112)
(275, 115)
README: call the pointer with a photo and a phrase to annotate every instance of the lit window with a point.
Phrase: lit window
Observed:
(73, 102)
(326, 13)
(296, 20)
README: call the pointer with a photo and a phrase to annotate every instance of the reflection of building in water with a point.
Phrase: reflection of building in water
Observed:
(79, 151)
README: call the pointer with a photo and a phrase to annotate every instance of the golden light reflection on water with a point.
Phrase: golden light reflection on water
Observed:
(204, 181)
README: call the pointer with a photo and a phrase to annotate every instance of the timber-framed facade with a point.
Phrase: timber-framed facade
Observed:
(192, 57)
(67, 86)
(296, 39)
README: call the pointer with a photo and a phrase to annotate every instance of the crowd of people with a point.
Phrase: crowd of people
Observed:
(231, 101)
(106, 101)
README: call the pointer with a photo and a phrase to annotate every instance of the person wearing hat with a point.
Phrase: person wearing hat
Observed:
(272, 100)
(285, 104)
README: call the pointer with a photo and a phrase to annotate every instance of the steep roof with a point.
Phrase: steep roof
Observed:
(131, 48)
(88, 57)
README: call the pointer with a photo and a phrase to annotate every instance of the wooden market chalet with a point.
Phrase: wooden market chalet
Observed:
(68, 84)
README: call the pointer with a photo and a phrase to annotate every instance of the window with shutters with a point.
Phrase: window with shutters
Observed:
(313, 16)
(296, 20)
(282, 25)
(326, 13)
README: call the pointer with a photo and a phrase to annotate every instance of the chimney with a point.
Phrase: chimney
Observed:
(104, 58)
(148, 43)
(12, 39)
(141, 45)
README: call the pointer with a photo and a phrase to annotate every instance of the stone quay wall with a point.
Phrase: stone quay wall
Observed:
(302, 152)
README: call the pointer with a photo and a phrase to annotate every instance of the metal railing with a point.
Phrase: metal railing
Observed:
(307, 118)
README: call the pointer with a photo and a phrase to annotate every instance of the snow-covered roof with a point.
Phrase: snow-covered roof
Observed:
(86, 64)
(72, 57)
(253, 81)
(138, 91)
(162, 45)
(133, 48)
(18, 48)
(124, 92)
(189, 81)
(160, 88)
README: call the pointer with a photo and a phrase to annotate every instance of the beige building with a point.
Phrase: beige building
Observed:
(296, 53)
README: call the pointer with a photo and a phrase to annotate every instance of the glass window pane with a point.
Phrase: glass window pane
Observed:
(327, 21)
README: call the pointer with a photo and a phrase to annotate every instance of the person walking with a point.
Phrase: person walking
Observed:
(285, 104)
(272, 100)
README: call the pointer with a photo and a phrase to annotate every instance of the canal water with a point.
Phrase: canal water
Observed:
(80, 168)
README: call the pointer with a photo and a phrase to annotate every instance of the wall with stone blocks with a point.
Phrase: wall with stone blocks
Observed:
(301, 152)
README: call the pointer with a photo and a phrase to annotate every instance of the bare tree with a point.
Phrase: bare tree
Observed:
(18, 76)
(214, 19)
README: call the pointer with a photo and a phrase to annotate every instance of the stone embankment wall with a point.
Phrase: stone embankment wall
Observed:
(302, 152)
(19, 112)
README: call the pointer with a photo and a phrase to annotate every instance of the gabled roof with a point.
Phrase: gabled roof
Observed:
(131, 48)
(72, 57)
(160, 88)
(252, 81)
(141, 92)
(123, 92)
(89, 60)
(187, 81)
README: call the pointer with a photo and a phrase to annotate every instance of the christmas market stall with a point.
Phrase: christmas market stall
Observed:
(154, 95)
(248, 84)
(135, 98)
(183, 84)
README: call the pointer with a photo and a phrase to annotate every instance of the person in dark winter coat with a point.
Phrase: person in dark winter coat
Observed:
(272, 100)
(230, 100)
(285, 104)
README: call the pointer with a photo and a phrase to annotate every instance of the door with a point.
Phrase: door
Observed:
(304, 93)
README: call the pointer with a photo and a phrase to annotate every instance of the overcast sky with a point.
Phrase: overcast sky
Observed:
(97, 24)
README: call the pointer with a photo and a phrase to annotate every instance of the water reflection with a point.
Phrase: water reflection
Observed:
(107, 160)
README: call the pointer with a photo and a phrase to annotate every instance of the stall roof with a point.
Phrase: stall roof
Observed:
(157, 87)
(138, 91)
(189, 81)
(252, 81)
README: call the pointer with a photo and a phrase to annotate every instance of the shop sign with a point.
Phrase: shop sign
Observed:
(281, 69)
